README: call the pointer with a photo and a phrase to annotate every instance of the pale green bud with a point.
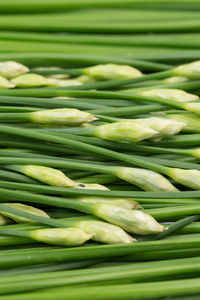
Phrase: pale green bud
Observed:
(105, 233)
(169, 94)
(58, 76)
(4, 220)
(5, 84)
(63, 116)
(26, 208)
(11, 69)
(175, 79)
(90, 186)
(61, 236)
(128, 130)
(85, 79)
(189, 178)
(123, 202)
(112, 72)
(29, 80)
(47, 175)
(164, 127)
(195, 152)
(134, 221)
(68, 82)
(192, 106)
(191, 70)
(191, 120)
(146, 179)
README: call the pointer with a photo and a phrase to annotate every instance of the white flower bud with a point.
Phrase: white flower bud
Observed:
(169, 94)
(164, 127)
(29, 80)
(193, 107)
(90, 186)
(26, 208)
(61, 236)
(123, 202)
(146, 179)
(189, 178)
(62, 116)
(112, 72)
(175, 79)
(104, 232)
(11, 69)
(67, 82)
(47, 175)
(191, 120)
(5, 84)
(128, 130)
(4, 220)
(134, 221)
(191, 70)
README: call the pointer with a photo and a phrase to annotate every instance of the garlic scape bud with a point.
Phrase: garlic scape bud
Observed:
(10, 69)
(123, 202)
(4, 220)
(61, 236)
(5, 84)
(175, 79)
(29, 80)
(191, 120)
(62, 116)
(170, 94)
(89, 186)
(104, 232)
(127, 130)
(146, 179)
(47, 175)
(26, 208)
(191, 70)
(192, 107)
(164, 127)
(189, 178)
(112, 72)
(64, 82)
(134, 221)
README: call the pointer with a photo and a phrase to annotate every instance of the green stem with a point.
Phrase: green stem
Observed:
(83, 146)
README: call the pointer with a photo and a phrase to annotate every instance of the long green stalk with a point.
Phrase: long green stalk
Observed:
(119, 292)
(17, 284)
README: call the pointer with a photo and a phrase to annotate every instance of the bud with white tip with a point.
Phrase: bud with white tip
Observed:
(47, 175)
(10, 69)
(191, 70)
(146, 179)
(64, 82)
(189, 178)
(29, 80)
(123, 202)
(191, 120)
(105, 232)
(175, 79)
(61, 236)
(62, 116)
(112, 72)
(127, 130)
(169, 94)
(4, 220)
(134, 221)
(192, 106)
(164, 127)
(26, 208)
(5, 84)
(90, 186)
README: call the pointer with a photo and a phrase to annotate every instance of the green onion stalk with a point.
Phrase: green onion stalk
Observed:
(107, 274)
